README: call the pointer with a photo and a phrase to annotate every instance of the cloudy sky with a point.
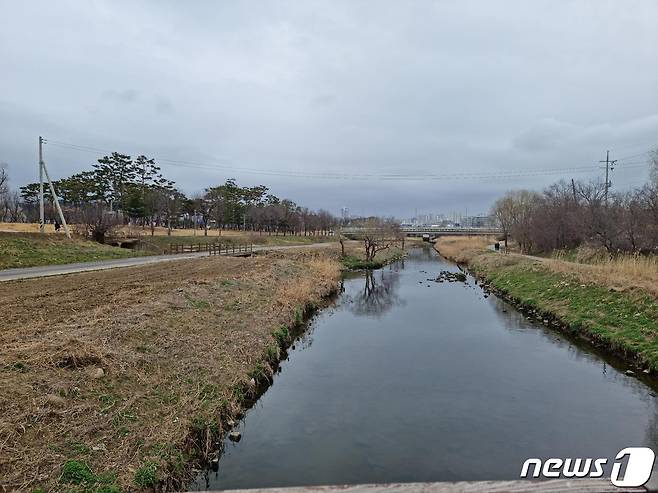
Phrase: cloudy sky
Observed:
(380, 106)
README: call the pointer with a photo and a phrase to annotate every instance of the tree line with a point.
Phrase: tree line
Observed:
(120, 190)
(568, 214)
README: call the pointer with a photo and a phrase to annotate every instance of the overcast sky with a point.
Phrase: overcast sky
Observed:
(358, 90)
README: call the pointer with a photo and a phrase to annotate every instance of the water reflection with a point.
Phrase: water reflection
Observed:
(378, 296)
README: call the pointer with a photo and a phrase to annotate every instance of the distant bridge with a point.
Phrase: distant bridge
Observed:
(431, 231)
(436, 231)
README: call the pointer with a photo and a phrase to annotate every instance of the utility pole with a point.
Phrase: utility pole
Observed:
(42, 225)
(609, 166)
(42, 170)
(573, 190)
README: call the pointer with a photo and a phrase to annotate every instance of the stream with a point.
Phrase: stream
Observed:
(405, 379)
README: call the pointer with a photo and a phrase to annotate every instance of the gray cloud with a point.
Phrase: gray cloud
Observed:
(335, 87)
(126, 96)
(163, 105)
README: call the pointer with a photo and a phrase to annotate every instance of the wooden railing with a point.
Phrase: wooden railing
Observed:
(241, 250)
(211, 248)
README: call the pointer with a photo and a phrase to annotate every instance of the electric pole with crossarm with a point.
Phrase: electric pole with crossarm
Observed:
(609, 166)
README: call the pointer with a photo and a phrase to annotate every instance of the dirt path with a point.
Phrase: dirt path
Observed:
(56, 270)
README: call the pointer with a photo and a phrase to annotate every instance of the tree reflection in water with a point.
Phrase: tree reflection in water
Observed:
(379, 294)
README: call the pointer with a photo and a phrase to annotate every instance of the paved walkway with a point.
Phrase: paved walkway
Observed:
(56, 270)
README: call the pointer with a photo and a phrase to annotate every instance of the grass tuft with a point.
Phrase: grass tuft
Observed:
(147, 475)
(281, 335)
(79, 473)
(76, 472)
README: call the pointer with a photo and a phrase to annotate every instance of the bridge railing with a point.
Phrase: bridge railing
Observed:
(431, 229)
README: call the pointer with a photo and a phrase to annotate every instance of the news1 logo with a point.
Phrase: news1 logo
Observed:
(639, 464)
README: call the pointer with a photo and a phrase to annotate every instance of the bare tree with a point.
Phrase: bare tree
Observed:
(4, 179)
(203, 206)
(379, 234)
(95, 221)
(515, 216)
(11, 207)
(598, 219)
(653, 163)
(503, 211)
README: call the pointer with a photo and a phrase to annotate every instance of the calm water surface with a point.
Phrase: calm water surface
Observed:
(409, 380)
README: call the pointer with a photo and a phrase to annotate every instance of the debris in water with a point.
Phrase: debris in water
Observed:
(235, 436)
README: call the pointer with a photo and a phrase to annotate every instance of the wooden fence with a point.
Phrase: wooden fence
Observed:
(212, 248)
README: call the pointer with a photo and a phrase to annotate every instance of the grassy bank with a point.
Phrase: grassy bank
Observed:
(129, 377)
(30, 249)
(595, 303)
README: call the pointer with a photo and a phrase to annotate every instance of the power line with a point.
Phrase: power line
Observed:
(502, 174)
(652, 145)
(645, 153)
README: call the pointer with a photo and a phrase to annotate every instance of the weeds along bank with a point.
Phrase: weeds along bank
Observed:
(123, 380)
(604, 303)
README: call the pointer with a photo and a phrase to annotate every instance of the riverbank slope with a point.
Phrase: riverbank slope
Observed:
(31, 249)
(611, 310)
(124, 379)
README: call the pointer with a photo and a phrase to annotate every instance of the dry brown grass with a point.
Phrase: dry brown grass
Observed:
(25, 228)
(161, 231)
(621, 273)
(462, 248)
(294, 295)
(176, 343)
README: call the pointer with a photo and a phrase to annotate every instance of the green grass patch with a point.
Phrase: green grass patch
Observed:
(147, 475)
(258, 372)
(29, 250)
(299, 316)
(281, 335)
(197, 303)
(272, 354)
(209, 393)
(355, 263)
(79, 473)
